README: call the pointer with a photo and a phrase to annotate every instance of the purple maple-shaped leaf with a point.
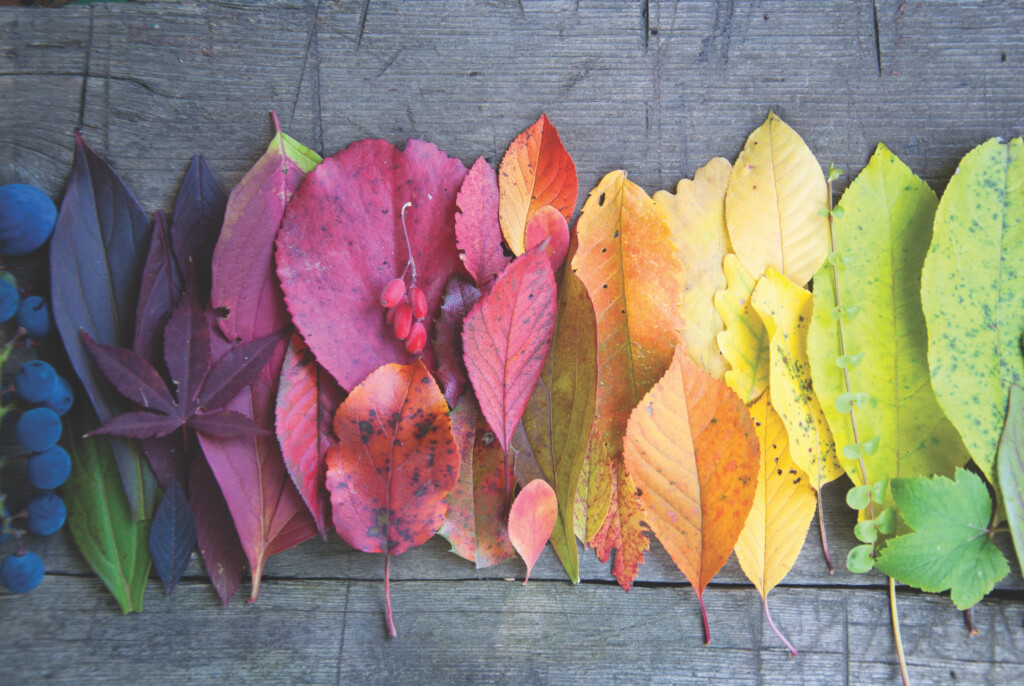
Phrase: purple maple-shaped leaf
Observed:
(140, 424)
(133, 376)
(187, 347)
(237, 369)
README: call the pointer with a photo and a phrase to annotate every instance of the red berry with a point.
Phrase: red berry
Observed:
(403, 321)
(393, 293)
(417, 339)
(418, 302)
(390, 316)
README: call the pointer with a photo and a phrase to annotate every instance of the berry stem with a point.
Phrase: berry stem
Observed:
(408, 244)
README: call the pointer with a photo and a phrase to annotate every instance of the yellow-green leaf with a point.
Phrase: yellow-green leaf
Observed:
(744, 342)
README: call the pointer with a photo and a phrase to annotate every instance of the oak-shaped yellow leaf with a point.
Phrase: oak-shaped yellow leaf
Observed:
(772, 206)
(744, 342)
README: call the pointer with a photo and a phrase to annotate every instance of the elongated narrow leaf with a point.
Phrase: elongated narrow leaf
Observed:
(972, 292)
(197, 218)
(560, 413)
(222, 552)
(307, 399)
(785, 309)
(172, 537)
(162, 285)
(343, 239)
(187, 348)
(505, 339)
(627, 261)
(99, 515)
(773, 203)
(97, 253)
(535, 171)
(697, 216)
(692, 450)
(1010, 465)
(477, 231)
(744, 342)
(868, 332)
(531, 521)
(476, 523)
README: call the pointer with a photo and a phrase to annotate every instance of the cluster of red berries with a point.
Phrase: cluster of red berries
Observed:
(402, 311)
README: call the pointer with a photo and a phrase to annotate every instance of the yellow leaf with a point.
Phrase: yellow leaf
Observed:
(696, 215)
(785, 309)
(771, 208)
(744, 343)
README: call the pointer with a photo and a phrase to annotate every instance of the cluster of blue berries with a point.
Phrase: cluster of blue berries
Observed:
(27, 217)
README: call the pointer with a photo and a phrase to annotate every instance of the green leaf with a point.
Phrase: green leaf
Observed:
(865, 531)
(884, 232)
(1010, 464)
(949, 548)
(100, 520)
(859, 559)
(973, 294)
(885, 522)
(858, 497)
(878, 491)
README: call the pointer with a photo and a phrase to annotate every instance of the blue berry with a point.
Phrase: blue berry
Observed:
(46, 513)
(21, 572)
(34, 316)
(36, 381)
(37, 429)
(27, 217)
(50, 468)
(61, 400)
(8, 300)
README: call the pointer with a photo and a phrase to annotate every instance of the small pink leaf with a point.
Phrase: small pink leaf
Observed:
(549, 224)
(531, 521)
(477, 231)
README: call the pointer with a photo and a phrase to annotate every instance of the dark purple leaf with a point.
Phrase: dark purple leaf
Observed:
(133, 376)
(139, 425)
(97, 253)
(459, 298)
(172, 536)
(161, 287)
(238, 368)
(223, 556)
(198, 215)
(227, 424)
(168, 457)
(187, 348)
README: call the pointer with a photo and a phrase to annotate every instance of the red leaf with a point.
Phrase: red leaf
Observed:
(342, 241)
(307, 398)
(548, 224)
(477, 230)
(394, 463)
(223, 556)
(621, 529)
(531, 521)
(459, 298)
(506, 338)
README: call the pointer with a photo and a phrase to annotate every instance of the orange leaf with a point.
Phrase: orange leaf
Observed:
(531, 521)
(693, 452)
(627, 261)
(622, 529)
(535, 171)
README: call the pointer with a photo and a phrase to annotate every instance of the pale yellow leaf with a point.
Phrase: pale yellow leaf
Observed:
(744, 342)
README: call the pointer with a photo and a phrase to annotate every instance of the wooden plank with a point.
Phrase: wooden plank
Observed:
(496, 632)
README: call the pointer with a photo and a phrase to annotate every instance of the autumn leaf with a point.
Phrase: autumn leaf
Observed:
(692, 450)
(773, 203)
(531, 521)
(506, 338)
(223, 556)
(696, 214)
(1010, 469)
(342, 241)
(622, 529)
(627, 261)
(161, 288)
(477, 231)
(196, 221)
(393, 465)
(172, 536)
(783, 507)
(459, 298)
(744, 342)
(535, 171)
(307, 398)
(548, 231)
(476, 522)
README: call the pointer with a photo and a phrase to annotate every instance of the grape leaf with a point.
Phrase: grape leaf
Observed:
(477, 231)
(627, 261)
(393, 465)
(535, 171)
(172, 536)
(697, 216)
(342, 240)
(506, 337)
(692, 450)
(97, 253)
(459, 298)
(476, 522)
(1010, 466)
(773, 202)
(531, 521)
(744, 342)
(949, 548)
(972, 293)
(307, 399)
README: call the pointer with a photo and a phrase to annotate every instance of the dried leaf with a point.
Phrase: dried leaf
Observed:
(477, 231)
(744, 343)
(531, 521)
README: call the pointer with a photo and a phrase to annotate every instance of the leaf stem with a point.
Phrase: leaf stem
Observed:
(972, 629)
(387, 594)
(768, 616)
(824, 536)
(896, 633)
(704, 616)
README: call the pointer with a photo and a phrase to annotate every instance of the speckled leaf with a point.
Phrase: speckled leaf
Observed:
(477, 231)
(744, 342)
(972, 291)
(531, 521)
(697, 216)
(1010, 465)
(459, 298)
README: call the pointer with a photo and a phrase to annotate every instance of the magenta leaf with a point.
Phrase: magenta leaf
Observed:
(139, 425)
(227, 424)
(187, 348)
(222, 552)
(477, 229)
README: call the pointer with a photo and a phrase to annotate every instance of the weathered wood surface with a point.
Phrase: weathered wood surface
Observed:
(656, 88)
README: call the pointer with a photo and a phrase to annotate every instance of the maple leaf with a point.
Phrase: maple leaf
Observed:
(202, 386)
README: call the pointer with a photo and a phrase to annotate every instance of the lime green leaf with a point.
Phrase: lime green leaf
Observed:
(859, 559)
(950, 547)
(744, 343)
(858, 497)
(972, 290)
(882, 235)
(1011, 468)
